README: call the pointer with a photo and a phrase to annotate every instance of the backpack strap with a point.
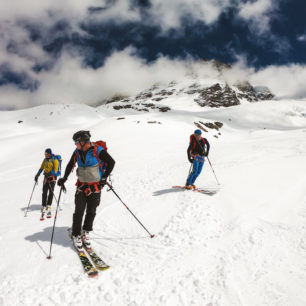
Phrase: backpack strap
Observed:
(75, 157)
(193, 142)
(95, 154)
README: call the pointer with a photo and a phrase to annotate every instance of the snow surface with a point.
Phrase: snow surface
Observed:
(240, 243)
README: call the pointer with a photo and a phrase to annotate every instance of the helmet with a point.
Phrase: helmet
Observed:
(83, 136)
(49, 151)
(197, 132)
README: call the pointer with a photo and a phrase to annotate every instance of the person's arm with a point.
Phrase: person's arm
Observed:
(110, 163)
(39, 171)
(69, 167)
(189, 153)
(207, 147)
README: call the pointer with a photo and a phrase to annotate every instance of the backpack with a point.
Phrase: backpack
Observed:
(99, 143)
(194, 142)
(59, 158)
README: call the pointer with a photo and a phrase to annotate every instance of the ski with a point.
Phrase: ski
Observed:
(90, 270)
(184, 188)
(98, 262)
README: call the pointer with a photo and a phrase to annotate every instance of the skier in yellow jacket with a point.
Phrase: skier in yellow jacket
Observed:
(50, 166)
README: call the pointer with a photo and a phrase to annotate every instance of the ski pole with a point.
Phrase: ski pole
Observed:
(55, 216)
(209, 163)
(112, 189)
(213, 170)
(189, 171)
(30, 199)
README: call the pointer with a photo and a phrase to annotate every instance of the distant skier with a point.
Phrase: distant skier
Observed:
(197, 151)
(50, 166)
(94, 166)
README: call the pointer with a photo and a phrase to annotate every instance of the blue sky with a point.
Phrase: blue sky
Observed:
(59, 51)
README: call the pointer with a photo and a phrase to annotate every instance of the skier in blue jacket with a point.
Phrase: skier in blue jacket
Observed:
(197, 151)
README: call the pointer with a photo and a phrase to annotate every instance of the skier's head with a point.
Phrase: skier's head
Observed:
(48, 152)
(81, 136)
(197, 132)
(82, 140)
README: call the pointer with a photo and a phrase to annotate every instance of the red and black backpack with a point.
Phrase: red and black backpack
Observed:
(193, 141)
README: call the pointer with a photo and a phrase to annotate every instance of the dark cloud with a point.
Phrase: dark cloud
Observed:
(19, 79)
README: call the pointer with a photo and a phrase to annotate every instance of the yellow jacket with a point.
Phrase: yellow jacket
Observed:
(49, 164)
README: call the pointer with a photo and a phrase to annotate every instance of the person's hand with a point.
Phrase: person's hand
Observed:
(205, 154)
(61, 181)
(103, 182)
(191, 160)
(36, 178)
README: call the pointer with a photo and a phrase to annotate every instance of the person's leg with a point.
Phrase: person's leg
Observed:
(200, 164)
(93, 201)
(80, 205)
(44, 194)
(51, 186)
(193, 172)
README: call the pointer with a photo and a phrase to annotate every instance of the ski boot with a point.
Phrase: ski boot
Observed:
(86, 239)
(42, 216)
(77, 241)
(194, 187)
(188, 187)
(49, 212)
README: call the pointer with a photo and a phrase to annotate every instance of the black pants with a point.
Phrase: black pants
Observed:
(82, 202)
(47, 194)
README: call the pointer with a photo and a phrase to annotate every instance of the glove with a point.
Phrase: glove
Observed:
(191, 160)
(103, 182)
(205, 154)
(61, 181)
(36, 178)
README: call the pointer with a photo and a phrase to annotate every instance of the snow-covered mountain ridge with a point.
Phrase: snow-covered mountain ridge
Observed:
(204, 92)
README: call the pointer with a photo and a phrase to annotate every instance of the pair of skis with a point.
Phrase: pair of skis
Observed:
(184, 188)
(91, 262)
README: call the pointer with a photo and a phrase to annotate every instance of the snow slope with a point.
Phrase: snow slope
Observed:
(241, 243)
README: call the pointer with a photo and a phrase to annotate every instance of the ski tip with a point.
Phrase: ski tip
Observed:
(93, 274)
(103, 268)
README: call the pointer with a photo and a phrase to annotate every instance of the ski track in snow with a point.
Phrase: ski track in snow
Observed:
(243, 243)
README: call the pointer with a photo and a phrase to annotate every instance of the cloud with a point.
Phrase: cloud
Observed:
(125, 73)
(285, 81)
(301, 37)
(70, 82)
(258, 13)
(169, 14)
(40, 64)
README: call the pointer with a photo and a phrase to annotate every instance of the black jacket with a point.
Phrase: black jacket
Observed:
(198, 148)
